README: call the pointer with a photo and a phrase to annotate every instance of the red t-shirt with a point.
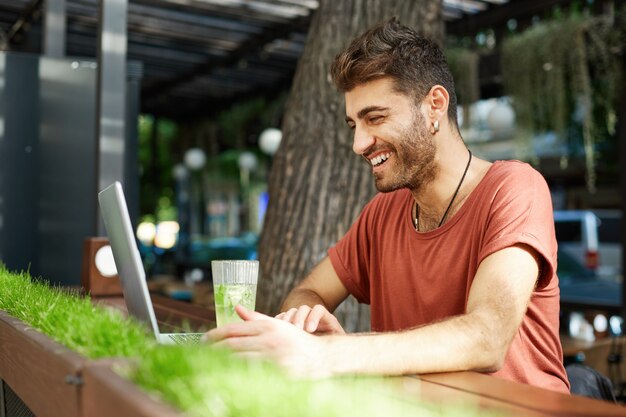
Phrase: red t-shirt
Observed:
(412, 278)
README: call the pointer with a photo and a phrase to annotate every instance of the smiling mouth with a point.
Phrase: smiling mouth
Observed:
(380, 159)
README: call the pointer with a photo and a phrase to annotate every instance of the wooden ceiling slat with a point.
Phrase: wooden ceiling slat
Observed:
(193, 18)
(498, 16)
(27, 15)
(221, 10)
(253, 45)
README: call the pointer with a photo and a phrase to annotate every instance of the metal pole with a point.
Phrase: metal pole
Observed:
(620, 136)
(111, 94)
(54, 28)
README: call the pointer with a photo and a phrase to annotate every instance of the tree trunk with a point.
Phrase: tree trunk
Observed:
(317, 185)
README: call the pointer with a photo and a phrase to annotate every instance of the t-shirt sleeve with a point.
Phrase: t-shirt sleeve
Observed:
(350, 256)
(521, 212)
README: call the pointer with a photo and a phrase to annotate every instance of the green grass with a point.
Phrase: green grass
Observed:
(199, 379)
(73, 321)
(212, 383)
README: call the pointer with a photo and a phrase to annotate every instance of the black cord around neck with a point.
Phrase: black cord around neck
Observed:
(445, 214)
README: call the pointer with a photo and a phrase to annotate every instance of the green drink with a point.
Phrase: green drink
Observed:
(227, 296)
(234, 282)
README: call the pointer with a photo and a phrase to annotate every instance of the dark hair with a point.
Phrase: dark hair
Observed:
(390, 49)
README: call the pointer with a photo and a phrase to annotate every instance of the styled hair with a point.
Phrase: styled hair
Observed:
(391, 49)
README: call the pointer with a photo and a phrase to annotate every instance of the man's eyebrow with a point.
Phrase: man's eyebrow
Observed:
(361, 114)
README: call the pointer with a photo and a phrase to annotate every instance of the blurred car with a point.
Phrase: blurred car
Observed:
(570, 269)
(609, 242)
(582, 288)
(591, 238)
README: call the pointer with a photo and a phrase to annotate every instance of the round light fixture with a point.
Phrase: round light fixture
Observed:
(501, 120)
(104, 262)
(600, 323)
(166, 234)
(247, 160)
(615, 322)
(146, 232)
(195, 158)
(575, 324)
(180, 172)
(270, 139)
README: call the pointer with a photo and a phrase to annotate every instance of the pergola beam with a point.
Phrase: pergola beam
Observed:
(249, 47)
(202, 109)
(31, 13)
(499, 16)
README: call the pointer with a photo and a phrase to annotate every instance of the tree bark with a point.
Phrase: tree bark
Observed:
(317, 185)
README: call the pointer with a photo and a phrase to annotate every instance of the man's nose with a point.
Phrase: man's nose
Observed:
(363, 140)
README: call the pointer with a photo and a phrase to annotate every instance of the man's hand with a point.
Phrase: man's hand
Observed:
(261, 336)
(316, 320)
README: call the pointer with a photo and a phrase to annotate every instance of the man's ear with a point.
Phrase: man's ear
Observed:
(437, 101)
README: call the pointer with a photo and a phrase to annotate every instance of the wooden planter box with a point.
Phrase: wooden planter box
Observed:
(53, 381)
(45, 375)
(106, 394)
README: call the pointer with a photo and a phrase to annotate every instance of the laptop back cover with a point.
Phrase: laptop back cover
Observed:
(126, 255)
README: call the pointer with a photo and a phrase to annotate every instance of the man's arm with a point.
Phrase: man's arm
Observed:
(477, 340)
(310, 304)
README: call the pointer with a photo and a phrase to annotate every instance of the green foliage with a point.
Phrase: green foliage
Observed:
(235, 121)
(249, 117)
(463, 65)
(162, 144)
(157, 158)
(213, 384)
(73, 321)
(563, 76)
(199, 379)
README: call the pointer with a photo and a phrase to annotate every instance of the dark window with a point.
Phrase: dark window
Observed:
(568, 231)
(609, 230)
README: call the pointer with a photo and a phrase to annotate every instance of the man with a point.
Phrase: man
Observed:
(456, 255)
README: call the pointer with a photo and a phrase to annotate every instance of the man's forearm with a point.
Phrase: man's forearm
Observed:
(301, 296)
(457, 344)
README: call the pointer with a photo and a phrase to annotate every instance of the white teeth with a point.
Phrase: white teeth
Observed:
(379, 159)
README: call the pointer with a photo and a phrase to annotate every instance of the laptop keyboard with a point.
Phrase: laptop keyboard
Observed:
(185, 338)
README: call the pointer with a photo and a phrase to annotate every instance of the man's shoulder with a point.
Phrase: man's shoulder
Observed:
(513, 166)
(515, 181)
(514, 170)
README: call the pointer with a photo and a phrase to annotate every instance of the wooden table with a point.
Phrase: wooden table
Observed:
(517, 399)
(471, 389)
(171, 315)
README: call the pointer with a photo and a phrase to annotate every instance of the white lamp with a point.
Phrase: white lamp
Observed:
(269, 141)
(247, 160)
(105, 262)
(146, 232)
(501, 120)
(180, 172)
(195, 158)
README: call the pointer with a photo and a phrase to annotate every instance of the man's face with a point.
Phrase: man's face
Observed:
(390, 132)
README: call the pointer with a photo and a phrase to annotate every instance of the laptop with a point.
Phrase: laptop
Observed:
(129, 265)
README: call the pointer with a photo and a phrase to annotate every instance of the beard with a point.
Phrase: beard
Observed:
(415, 167)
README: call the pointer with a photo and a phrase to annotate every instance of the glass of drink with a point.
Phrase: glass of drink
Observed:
(234, 282)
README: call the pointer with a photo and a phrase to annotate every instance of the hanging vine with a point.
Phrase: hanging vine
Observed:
(463, 65)
(563, 75)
